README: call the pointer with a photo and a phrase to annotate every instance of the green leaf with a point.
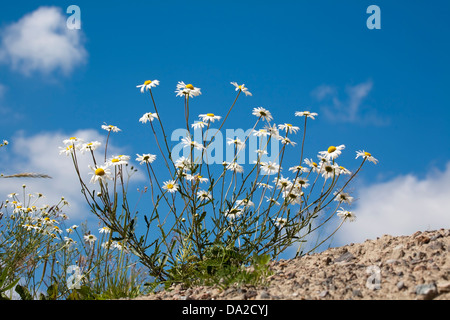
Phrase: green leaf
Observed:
(23, 292)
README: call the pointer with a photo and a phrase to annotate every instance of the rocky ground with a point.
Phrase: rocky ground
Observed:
(388, 268)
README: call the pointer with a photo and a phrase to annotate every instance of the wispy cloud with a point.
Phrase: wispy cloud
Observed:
(351, 109)
(400, 206)
(41, 42)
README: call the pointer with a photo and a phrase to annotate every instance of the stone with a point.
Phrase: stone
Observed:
(426, 291)
(345, 257)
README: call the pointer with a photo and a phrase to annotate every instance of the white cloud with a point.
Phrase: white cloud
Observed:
(40, 154)
(350, 110)
(401, 206)
(40, 41)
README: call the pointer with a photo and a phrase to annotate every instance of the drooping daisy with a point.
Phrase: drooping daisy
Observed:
(264, 185)
(286, 140)
(204, 195)
(343, 197)
(242, 88)
(269, 167)
(313, 165)
(187, 90)
(118, 160)
(101, 173)
(366, 155)
(262, 113)
(237, 142)
(306, 114)
(344, 214)
(147, 85)
(199, 125)
(234, 166)
(272, 201)
(109, 127)
(196, 178)
(145, 158)
(149, 116)
(171, 186)
(342, 170)
(289, 128)
(209, 117)
(298, 169)
(245, 203)
(183, 163)
(188, 142)
(332, 152)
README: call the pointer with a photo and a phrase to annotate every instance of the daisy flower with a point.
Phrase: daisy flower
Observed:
(237, 142)
(187, 90)
(234, 166)
(292, 197)
(196, 178)
(286, 140)
(198, 125)
(204, 195)
(328, 170)
(344, 214)
(272, 201)
(188, 142)
(282, 183)
(313, 165)
(147, 85)
(171, 186)
(90, 146)
(246, 203)
(332, 152)
(149, 116)
(66, 150)
(183, 163)
(298, 169)
(233, 213)
(366, 156)
(300, 183)
(145, 158)
(72, 141)
(264, 185)
(280, 222)
(118, 160)
(289, 128)
(262, 113)
(209, 117)
(90, 238)
(109, 127)
(342, 170)
(261, 133)
(343, 197)
(269, 167)
(242, 88)
(101, 173)
(306, 114)
(104, 230)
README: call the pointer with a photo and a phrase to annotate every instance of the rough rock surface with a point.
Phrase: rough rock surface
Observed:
(388, 268)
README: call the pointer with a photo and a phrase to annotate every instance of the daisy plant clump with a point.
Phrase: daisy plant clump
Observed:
(200, 218)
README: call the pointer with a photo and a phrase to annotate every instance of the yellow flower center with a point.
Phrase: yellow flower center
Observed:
(99, 172)
(72, 138)
(240, 87)
(289, 125)
(190, 86)
(331, 149)
(314, 164)
(367, 154)
(114, 160)
(146, 83)
(169, 186)
(210, 114)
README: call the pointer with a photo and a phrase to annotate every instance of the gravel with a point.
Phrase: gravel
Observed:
(414, 267)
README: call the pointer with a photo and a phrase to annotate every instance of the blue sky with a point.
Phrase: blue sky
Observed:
(383, 90)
